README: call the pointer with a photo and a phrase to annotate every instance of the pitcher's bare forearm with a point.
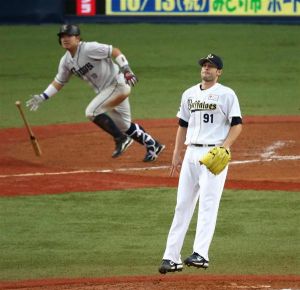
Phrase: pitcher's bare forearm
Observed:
(179, 146)
(233, 134)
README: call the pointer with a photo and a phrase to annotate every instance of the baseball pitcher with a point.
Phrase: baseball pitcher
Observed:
(209, 123)
(111, 81)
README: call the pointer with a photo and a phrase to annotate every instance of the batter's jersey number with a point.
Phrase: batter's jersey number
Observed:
(208, 118)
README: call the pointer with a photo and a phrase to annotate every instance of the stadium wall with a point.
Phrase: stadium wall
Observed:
(31, 11)
(66, 11)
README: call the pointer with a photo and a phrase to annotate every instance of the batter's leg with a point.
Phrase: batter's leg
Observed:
(121, 140)
(153, 147)
(107, 124)
(96, 112)
(121, 115)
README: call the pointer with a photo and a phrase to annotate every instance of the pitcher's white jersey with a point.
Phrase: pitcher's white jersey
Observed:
(208, 113)
(92, 63)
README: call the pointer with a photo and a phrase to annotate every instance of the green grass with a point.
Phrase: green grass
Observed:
(261, 65)
(124, 233)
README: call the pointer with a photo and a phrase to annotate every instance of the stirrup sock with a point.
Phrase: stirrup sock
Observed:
(138, 133)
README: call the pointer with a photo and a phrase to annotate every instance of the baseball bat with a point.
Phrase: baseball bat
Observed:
(33, 139)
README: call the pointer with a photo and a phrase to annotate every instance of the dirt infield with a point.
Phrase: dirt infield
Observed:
(172, 282)
(77, 158)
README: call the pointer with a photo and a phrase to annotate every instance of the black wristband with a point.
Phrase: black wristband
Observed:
(46, 97)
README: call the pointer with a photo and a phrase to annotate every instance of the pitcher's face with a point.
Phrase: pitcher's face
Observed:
(209, 72)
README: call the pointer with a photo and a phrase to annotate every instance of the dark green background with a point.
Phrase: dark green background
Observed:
(262, 65)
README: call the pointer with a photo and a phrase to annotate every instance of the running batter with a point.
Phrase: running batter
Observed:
(110, 108)
(209, 116)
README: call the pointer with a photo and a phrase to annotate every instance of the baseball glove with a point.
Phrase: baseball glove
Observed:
(216, 159)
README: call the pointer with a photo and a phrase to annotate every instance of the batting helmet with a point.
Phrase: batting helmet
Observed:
(68, 29)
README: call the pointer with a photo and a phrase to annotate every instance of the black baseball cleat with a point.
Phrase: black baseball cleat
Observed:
(169, 266)
(121, 145)
(152, 155)
(197, 261)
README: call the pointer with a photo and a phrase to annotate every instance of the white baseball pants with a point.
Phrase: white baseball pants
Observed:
(196, 183)
(107, 102)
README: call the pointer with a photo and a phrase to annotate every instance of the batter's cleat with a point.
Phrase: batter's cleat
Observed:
(169, 266)
(197, 261)
(121, 145)
(152, 155)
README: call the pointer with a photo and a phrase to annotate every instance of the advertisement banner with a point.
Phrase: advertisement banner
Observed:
(86, 7)
(204, 7)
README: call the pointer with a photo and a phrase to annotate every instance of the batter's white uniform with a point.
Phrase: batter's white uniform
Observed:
(92, 63)
(208, 113)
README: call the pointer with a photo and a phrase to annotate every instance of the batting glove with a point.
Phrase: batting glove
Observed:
(130, 77)
(35, 102)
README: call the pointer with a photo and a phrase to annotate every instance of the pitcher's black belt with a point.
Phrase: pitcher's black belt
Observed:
(204, 145)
